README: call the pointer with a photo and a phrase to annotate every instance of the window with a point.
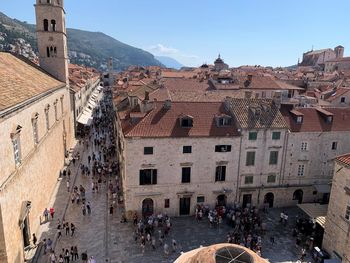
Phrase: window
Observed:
(48, 52)
(46, 25)
(222, 148)
(62, 109)
(35, 129)
(263, 94)
(273, 157)
(334, 145)
(299, 119)
(252, 136)
(186, 175)
(301, 169)
(329, 119)
(304, 146)
(200, 199)
(187, 149)
(342, 99)
(220, 173)
(166, 203)
(347, 212)
(276, 135)
(148, 176)
(248, 179)
(53, 25)
(47, 117)
(250, 160)
(16, 143)
(224, 121)
(55, 109)
(148, 150)
(271, 178)
(186, 122)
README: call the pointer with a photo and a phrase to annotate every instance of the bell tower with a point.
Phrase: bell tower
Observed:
(52, 38)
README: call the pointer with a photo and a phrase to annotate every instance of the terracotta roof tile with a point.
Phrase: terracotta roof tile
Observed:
(256, 113)
(161, 122)
(314, 121)
(344, 159)
(21, 80)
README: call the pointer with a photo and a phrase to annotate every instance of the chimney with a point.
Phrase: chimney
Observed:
(146, 106)
(167, 104)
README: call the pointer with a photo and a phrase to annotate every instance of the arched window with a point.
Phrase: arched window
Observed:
(49, 1)
(55, 51)
(48, 52)
(53, 25)
(46, 25)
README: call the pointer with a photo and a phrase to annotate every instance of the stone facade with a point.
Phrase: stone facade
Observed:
(337, 229)
(35, 177)
(168, 158)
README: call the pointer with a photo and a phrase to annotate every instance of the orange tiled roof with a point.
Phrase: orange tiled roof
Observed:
(21, 80)
(339, 92)
(161, 122)
(313, 121)
(344, 159)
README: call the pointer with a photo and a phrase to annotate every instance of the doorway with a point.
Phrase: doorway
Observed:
(247, 200)
(26, 232)
(185, 205)
(221, 200)
(268, 199)
(147, 207)
(298, 195)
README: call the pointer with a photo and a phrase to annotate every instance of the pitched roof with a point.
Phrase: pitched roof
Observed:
(344, 159)
(21, 80)
(313, 121)
(160, 122)
(256, 113)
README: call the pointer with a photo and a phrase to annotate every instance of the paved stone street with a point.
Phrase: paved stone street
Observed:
(103, 236)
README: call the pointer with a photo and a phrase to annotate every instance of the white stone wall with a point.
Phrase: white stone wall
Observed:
(35, 178)
(168, 158)
(336, 236)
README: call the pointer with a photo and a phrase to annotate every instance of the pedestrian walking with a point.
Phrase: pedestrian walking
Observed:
(66, 256)
(166, 249)
(153, 243)
(34, 239)
(76, 254)
(83, 207)
(52, 212)
(88, 207)
(68, 185)
(92, 260)
(53, 257)
(84, 257)
(111, 209)
(173, 244)
(46, 214)
(72, 228)
(72, 253)
(60, 259)
(67, 229)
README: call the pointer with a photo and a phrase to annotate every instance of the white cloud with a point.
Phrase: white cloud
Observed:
(185, 59)
(159, 48)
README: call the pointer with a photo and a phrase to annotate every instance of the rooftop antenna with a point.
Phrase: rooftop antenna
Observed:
(312, 48)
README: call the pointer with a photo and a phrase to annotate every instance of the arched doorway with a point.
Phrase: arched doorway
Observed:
(221, 200)
(147, 207)
(268, 199)
(298, 195)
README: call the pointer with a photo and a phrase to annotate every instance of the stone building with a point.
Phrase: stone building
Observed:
(336, 239)
(36, 127)
(321, 56)
(174, 155)
(337, 64)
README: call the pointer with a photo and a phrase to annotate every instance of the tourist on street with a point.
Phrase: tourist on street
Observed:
(34, 240)
(166, 249)
(48, 244)
(88, 207)
(72, 253)
(52, 212)
(76, 255)
(111, 209)
(67, 229)
(46, 215)
(92, 260)
(173, 244)
(84, 257)
(68, 185)
(53, 257)
(72, 228)
(60, 259)
(66, 256)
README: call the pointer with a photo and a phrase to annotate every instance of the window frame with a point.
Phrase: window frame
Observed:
(273, 159)
(347, 211)
(145, 152)
(200, 196)
(301, 169)
(246, 181)
(251, 137)
(166, 203)
(334, 145)
(186, 175)
(152, 180)
(188, 121)
(188, 147)
(223, 148)
(304, 146)
(268, 179)
(342, 100)
(276, 137)
(16, 145)
(247, 161)
(220, 173)
(35, 130)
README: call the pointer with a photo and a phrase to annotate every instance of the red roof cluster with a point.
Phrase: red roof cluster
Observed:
(344, 159)
(79, 75)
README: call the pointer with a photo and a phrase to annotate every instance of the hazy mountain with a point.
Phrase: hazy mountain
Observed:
(169, 62)
(85, 48)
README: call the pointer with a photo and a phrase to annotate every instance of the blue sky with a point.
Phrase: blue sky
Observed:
(244, 32)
